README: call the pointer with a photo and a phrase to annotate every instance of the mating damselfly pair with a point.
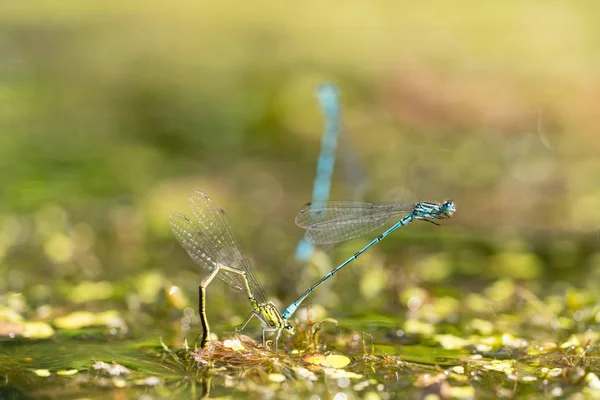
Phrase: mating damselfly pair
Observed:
(210, 242)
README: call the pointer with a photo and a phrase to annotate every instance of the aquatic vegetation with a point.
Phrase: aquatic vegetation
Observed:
(463, 352)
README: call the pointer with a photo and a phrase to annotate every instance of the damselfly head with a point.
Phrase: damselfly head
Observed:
(270, 315)
(428, 211)
(289, 328)
(448, 207)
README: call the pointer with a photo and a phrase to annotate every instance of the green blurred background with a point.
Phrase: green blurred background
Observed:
(112, 113)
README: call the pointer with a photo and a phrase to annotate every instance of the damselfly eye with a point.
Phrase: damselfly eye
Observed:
(449, 207)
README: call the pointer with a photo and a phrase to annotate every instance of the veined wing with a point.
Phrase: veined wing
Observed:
(209, 241)
(338, 221)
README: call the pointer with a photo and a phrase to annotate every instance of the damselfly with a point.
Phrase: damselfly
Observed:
(337, 221)
(211, 244)
(328, 96)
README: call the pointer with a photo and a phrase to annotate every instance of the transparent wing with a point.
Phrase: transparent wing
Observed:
(209, 241)
(338, 221)
(213, 222)
(199, 247)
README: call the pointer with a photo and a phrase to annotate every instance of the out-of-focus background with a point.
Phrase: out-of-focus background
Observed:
(112, 113)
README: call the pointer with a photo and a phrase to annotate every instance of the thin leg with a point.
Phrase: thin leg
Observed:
(243, 324)
(277, 339)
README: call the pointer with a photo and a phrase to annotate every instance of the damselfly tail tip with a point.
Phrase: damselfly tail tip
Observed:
(306, 207)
